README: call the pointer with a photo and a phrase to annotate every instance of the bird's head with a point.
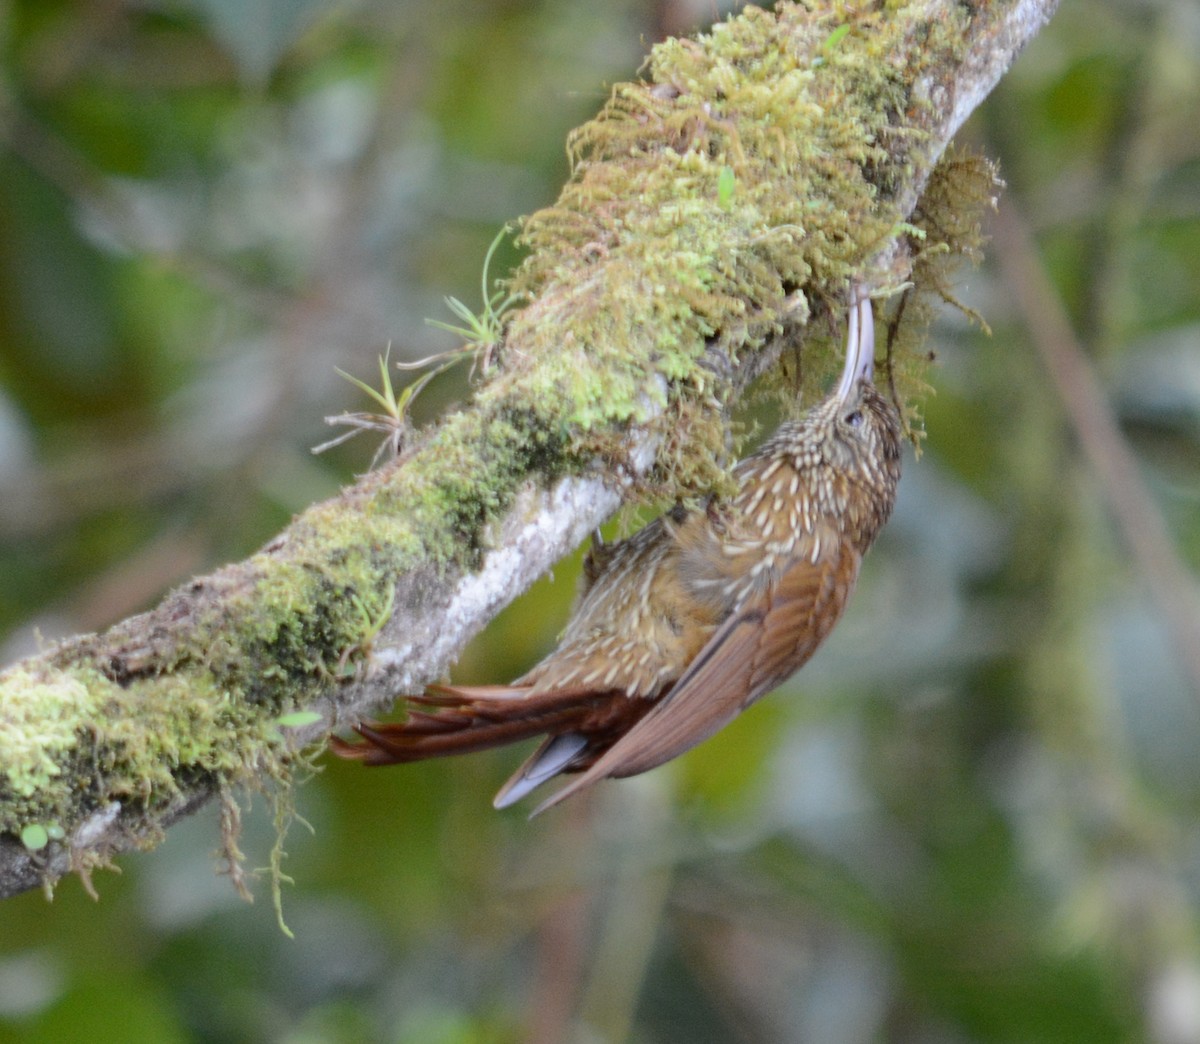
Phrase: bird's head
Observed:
(858, 429)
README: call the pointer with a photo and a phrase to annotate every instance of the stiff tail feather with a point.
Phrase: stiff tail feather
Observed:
(555, 754)
(458, 721)
(578, 726)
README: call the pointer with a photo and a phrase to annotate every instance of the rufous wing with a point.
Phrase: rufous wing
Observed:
(757, 647)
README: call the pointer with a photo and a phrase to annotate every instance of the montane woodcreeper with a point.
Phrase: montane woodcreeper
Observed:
(683, 625)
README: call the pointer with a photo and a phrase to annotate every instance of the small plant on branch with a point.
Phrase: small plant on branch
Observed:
(482, 332)
(393, 420)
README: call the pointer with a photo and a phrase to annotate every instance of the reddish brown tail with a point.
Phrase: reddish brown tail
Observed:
(465, 719)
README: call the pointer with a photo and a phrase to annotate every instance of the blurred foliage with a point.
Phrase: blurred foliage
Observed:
(972, 818)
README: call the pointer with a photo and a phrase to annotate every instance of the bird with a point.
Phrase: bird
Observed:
(680, 627)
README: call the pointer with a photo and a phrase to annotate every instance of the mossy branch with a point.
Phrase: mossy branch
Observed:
(716, 214)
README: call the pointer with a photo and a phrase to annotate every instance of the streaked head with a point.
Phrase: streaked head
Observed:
(861, 437)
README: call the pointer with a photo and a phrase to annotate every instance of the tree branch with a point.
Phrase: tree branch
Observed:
(713, 212)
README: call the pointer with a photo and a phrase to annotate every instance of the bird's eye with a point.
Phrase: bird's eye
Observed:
(854, 419)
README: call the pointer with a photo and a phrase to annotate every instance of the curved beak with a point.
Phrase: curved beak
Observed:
(860, 346)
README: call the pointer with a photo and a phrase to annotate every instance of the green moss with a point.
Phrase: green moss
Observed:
(105, 723)
(724, 202)
(39, 717)
(125, 718)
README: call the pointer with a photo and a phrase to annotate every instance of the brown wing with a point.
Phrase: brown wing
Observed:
(636, 628)
(758, 647)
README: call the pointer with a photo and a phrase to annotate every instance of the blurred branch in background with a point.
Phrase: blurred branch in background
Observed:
(1174, 587)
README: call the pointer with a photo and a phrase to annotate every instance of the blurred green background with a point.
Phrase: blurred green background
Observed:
(972, 818)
